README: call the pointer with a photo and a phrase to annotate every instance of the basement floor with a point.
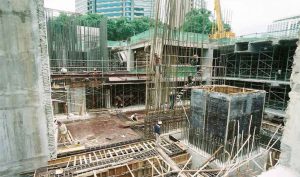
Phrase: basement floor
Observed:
(101, 129)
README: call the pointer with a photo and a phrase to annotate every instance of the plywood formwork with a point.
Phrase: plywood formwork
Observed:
(225, 116)
(138, 159)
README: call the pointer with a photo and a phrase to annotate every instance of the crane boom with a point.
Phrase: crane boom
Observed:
(218, 14)
(218, 31)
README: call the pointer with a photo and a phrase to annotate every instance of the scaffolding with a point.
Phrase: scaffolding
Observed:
(87, 70)
(260, 64)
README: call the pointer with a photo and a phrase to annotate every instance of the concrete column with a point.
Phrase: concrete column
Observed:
(55, 108)
(207, 63)
(26, 117)
(130, 60)
(107, 99)
(290, 144)
(77, 100)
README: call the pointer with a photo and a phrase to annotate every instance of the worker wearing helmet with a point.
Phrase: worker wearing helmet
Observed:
(134, 117)
(63, 132)
(157, 128)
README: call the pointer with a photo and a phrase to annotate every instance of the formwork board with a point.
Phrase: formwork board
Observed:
(219, 114)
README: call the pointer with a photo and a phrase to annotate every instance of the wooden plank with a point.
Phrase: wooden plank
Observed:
(126, 150)
(80, 160)
(74, 163)
(129, 170)
(90, 158)
(131, 148)
(85, 160)
(105, 154)
(100, 154)
(110, 153)
(69, 161)
(95, 155)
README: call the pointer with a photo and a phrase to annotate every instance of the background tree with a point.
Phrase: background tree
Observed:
(194, 19)
(117, 29)
(92, 20)
(123, 28)
(227, 27)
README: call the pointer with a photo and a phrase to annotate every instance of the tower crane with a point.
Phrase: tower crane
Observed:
(218, 31)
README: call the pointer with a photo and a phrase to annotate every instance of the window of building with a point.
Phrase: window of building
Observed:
(109, 10)
(138, 14)
(110, 5)
(139, 9)
(114, 14)
(100, 1)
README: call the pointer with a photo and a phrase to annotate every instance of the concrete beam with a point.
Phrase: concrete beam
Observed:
(279, 82)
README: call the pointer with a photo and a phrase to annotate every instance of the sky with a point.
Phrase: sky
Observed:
(66, 5)
(253, 16)
(248, 16)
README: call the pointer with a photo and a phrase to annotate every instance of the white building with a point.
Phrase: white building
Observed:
(285, 26)
(81, 6)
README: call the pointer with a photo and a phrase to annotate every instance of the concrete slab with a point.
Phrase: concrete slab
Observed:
(100, 131)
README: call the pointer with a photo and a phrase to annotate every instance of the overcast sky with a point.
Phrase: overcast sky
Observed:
(249, 16)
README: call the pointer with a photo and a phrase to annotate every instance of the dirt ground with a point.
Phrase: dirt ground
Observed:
(102, 130)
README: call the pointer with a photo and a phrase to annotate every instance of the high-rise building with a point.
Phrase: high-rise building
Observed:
(81, 6)
(167, 9)
(143, 7)
(198, 4)
(116, 8)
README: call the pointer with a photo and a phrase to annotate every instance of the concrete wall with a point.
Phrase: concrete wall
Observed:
(207, 63)
(77, 100)
(290, 144)
(26, 128)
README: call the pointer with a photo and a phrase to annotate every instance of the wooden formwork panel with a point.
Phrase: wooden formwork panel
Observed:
(141, 168)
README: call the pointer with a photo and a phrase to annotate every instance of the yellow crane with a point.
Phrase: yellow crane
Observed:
(218, 31)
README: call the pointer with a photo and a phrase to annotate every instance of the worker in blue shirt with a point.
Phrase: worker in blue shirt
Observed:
(157, 128)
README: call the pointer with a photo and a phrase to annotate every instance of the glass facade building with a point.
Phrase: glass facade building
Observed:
(118, 8)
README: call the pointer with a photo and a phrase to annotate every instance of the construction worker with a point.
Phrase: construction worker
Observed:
(172, 100)
(133, 117)
(63, 132)
(194, 60)
(190, 80)
(165, 107)
(118, 102)
(157, 128)
(157, 63)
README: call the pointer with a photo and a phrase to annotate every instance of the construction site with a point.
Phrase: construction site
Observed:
(167, 102)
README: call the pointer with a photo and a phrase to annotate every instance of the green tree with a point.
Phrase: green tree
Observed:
(227, 27)
(91, 19)
(117, 28)
(124, 28)
(111, 30)
(194, 21)
(142, 24)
